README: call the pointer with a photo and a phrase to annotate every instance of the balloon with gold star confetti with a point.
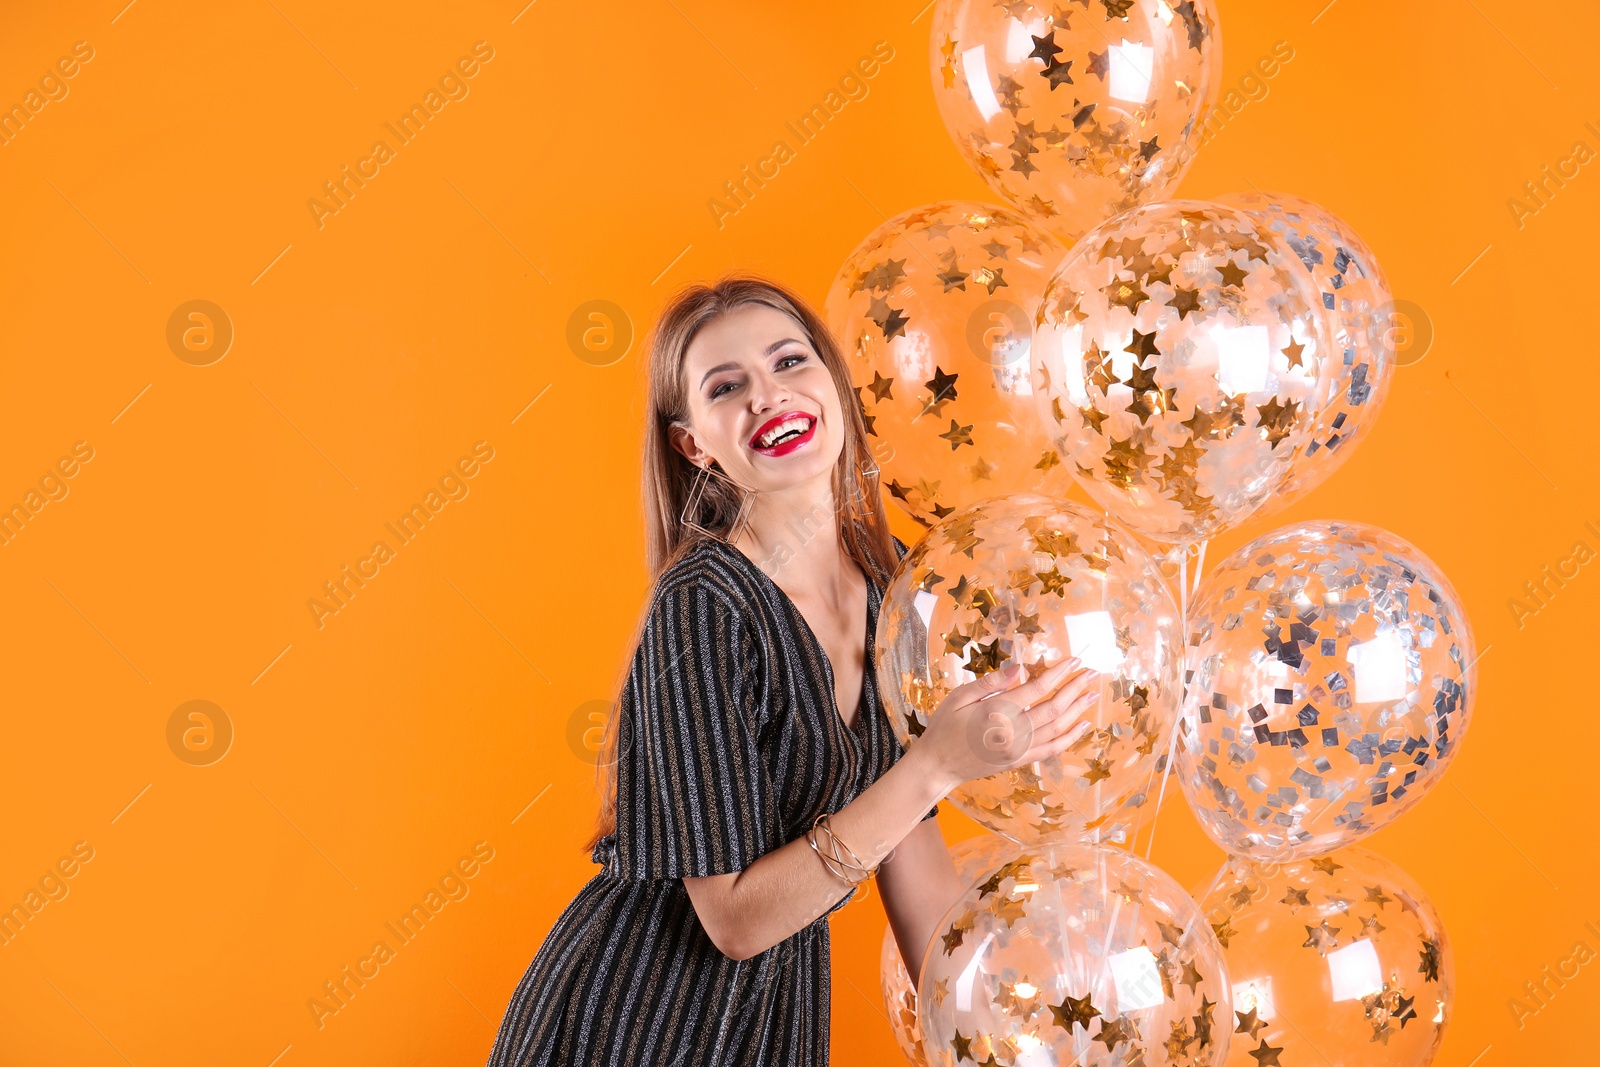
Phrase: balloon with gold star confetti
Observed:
(1331, 678)
(1034, 580)
(1074, 114)
(934, 311)
(973, 857)
(1180, 359)
(1075, 954)
(1359, 308)
(1339, 959)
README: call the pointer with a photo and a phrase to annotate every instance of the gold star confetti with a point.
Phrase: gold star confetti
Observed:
(892, 321)
(957, 435)
(1294, 353)
(1074, 1011)
(1054, 581)
(1322, 937)
(981, 659)
(1113, 1031)
(1429, 967)
(1266, 1055)
(1233, 275)
(1249, 1022)
(1277, 420)
(1185, 301)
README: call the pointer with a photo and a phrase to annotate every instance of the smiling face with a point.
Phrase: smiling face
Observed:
(760, 402)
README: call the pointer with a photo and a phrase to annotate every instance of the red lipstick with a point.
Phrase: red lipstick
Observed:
(787, 444)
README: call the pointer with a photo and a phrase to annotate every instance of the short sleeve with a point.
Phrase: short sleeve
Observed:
(694, 796)
(900, 550)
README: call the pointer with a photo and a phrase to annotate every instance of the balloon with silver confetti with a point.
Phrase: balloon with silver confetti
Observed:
(1340, 959)
(973, 857)
(1072, 114)
(1331, 678)
(1035, 580)
(934, 311)
(1071, 953)
(1359, 308)
(1180, 358)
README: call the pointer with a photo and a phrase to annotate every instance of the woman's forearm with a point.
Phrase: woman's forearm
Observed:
(918, 885)
(786, 889)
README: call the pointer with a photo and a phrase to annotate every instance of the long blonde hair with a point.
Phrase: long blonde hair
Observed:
(863, 528)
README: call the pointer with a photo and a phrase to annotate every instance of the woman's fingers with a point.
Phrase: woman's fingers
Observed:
(1061, 720)
(1082, 681)
(986, 685)
(1005, 682)
(1057, 745)
(1065, 715)
(1033, 691)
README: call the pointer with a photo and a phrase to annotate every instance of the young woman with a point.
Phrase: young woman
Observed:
(750, 712)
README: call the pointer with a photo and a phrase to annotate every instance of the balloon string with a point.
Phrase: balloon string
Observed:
(1183, 679)
(1183, 586)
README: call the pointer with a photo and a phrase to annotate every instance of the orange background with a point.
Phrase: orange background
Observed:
(370, 354)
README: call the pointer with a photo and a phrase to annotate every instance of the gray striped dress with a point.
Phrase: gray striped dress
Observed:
(730, 743)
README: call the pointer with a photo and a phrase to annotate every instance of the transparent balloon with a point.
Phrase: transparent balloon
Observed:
(934, 311)
(1034, 580)
(1339, 960)
(1359, 308)
(1180, 357)
(973, 857)
(1074, 114)
(1071, 953)
(1331, 677)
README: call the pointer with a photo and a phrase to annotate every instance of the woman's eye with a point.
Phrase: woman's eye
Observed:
(797, 357)
(718, 390)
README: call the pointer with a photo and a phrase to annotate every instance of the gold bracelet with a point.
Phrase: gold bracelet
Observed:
(835, 861)
(825, 822)
(829, 862)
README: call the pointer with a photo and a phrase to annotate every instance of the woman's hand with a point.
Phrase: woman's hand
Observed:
(993, 724)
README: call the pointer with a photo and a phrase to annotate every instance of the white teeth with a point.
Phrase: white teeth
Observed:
(797, 423)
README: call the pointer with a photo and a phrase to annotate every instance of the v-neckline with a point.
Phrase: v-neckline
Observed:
(857, 728)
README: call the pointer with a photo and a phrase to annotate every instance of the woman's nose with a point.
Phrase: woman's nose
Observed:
(767, 393)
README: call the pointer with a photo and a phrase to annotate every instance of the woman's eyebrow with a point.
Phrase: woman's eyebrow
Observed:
(719, 367)
(767, 351)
